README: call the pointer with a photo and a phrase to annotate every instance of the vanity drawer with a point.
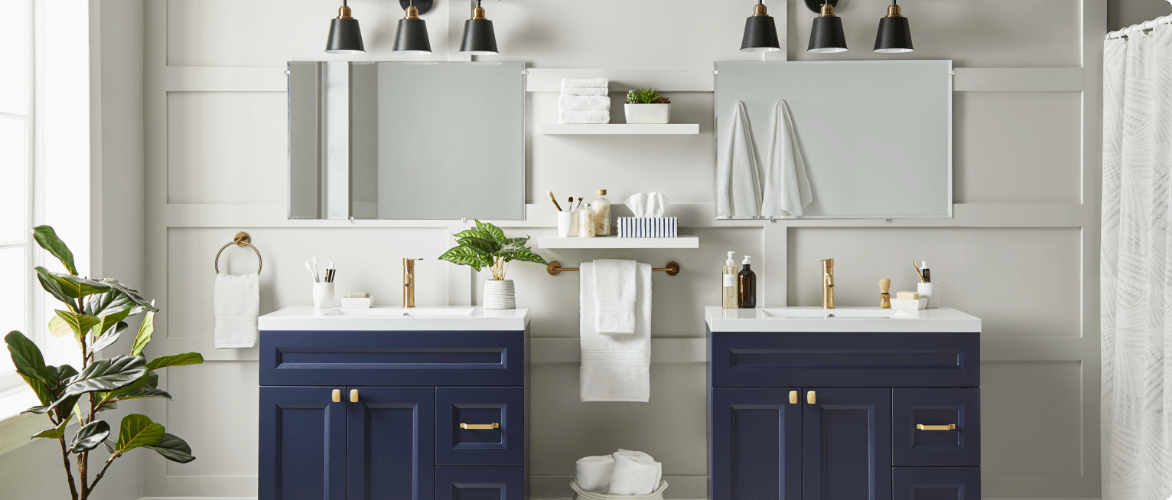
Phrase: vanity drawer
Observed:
(480, 426)
(936, 483)
(479, 483)
(844, 359)
(422, 358)
(936, 444)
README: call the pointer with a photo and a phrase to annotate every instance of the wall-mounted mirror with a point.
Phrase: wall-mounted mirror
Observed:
(876, 136)
(406, 140)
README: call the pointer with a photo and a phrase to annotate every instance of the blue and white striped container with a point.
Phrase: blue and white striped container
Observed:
(647, 227)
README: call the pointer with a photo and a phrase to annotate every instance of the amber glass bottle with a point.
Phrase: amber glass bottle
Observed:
(746, 286)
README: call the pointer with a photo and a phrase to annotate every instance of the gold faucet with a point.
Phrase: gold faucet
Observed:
(828, 283)
(409, 282)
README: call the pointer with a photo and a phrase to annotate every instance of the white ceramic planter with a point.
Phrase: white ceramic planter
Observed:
(499, 294)
(647, 113)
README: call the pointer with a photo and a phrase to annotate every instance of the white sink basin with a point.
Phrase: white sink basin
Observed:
(842, 319)
(304, 318)
(399, 312)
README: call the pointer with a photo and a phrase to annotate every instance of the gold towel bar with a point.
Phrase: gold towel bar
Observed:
(554, 268)
(241, 240)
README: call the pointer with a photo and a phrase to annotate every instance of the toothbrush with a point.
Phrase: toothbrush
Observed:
(314, 260)
(311, 273)
(919, 274)
(554, 200)
(330, 273)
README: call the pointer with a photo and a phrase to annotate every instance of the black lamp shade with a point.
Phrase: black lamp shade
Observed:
(345, 37)
(895, 35)
(760, 35)
(827, 37)
(412, 37)
(479, 38)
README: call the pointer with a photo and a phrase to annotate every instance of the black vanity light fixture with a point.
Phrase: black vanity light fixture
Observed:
(760, 32)
(412, 36)
(479, 38)
(345, 37)
(895, 33)
(826, 36)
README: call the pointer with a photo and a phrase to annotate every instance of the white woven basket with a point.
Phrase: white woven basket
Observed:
(587, 495)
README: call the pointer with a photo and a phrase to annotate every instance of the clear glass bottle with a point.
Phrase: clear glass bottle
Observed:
(746, 286)
(601, 207)
(729, 283)
(586, 222)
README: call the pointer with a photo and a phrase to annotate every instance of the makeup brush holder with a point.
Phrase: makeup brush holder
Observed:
(323, 295)
(929, 291)
(565, 224)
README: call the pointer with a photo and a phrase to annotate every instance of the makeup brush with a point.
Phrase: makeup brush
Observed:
(554, 200)
(919, 274)
(571, 203)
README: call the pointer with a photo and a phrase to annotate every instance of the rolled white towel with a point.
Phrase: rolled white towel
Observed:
(638, 455)
(583, 103)
(566, 117)
(634, 475)
(593, 473)
(585, 82)
(585, 91)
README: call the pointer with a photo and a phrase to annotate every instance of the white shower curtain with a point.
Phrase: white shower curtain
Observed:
(1136, 269)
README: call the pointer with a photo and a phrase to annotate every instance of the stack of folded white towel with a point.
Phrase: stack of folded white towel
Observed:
(584, 101)
(622, 473)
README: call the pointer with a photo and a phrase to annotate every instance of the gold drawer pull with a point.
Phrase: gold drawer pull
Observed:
(353, 395)
(811, 397)
(793, 397)
(478, 427)
(337, 396)
(947, 427)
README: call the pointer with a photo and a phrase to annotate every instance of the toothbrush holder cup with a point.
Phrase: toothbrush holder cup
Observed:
(928, 290)
(565, 223)
(323, 295)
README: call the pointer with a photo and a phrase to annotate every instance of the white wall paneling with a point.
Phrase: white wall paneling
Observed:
(1021, 250)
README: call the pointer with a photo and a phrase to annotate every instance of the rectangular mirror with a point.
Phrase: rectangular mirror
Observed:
(876, 136)
(406, 141)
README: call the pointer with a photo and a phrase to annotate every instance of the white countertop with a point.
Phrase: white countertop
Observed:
(846, 319)
(394, 319)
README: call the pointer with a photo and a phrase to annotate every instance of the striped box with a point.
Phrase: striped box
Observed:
(647, 227)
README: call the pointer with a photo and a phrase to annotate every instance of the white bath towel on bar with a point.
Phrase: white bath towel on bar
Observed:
(583, 103)
(595, 91)
(614, 296)
(615, 367)
(738, 189)
(787, 189)
(236, 306)
(592, 83)
(567, 117)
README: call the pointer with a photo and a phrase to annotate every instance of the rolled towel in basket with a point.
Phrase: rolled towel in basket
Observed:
(593, 473)
(634, 474)
(638, 455)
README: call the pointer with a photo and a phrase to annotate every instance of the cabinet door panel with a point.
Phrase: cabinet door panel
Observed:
(479, 483)
(937, 483)
(390, 443)
(302, 445)
(846, 445)
(503, 407)
(936, 445)
(756, 444)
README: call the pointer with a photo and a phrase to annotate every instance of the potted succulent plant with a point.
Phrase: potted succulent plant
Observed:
(647, 106)
(487, 246)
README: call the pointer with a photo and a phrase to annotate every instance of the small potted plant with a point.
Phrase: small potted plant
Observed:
(487, 246)
(647, 106)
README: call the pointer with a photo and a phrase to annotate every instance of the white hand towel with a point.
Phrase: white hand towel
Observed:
(615, 368)
(565, 117)
(593, 473)
(593, 83)
(738, 190)
(614, 296)
(634, 475)
(787, 190)
(583, 103)
(596, 91)
(641, 456)
(236, 305)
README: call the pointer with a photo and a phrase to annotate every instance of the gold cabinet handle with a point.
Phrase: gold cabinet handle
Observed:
(337, 396)
(353, 395)
(924, 427)
(811, 397)
(793, 397)
(476, 427)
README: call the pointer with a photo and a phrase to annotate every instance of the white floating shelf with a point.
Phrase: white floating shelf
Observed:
(620, 129)
(616, 242)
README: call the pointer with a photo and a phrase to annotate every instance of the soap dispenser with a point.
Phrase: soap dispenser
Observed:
(729, 285)
(746, 286)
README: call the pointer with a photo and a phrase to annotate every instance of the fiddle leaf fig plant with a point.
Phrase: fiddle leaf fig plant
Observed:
(95, 314)
(487, 246)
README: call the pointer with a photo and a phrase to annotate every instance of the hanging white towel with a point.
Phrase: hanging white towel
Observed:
(236, 305)
(615, 368)
(593, 473)
(583, 103)
(738, 190)
(589, 83)
(614, 296)
(787, 189)
(565, 116)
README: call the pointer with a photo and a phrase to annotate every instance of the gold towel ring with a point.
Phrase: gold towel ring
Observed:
(241, 240)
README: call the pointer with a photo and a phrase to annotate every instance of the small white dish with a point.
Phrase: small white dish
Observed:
(356, 302)
(910, 304)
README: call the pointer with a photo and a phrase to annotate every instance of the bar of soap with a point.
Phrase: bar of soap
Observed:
(360, 295)
(908, 295)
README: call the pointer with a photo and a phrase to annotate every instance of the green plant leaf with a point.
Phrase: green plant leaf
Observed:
(80, 324)
(106, 340)
(173, 448)
(138, 430)
(487, 248)
(463, 256)
(58, 327)
(187, 358)
(132, 295)
(107, 375)
(47, 238)
(90, 436)
(527, 256)
(491, 230)
(145, 392)
(39, 410)
(26, 357)
(144, 333)
(72, 286)
(49, 283)
(53, 432)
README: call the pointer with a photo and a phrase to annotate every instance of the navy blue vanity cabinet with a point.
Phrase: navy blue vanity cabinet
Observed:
(405, 415)
(828, 416)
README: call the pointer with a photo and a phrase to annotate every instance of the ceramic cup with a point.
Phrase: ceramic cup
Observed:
(323, 295)
(929, 290)
(565, 222)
